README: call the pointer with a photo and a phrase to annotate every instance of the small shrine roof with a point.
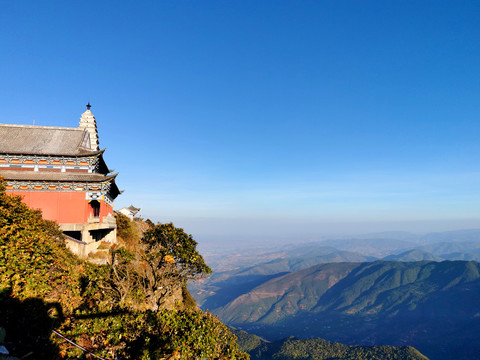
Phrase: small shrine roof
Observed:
(133, 208)
(55, 176)
(45, 140)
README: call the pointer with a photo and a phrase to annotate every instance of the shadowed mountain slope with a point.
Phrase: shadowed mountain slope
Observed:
(425, 304)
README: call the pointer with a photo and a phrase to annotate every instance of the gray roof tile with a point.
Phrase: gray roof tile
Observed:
(44, 140)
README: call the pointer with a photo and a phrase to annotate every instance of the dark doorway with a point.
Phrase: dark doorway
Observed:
(95, 207)
(77, 235)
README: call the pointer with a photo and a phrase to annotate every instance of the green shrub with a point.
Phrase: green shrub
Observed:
(43, 286)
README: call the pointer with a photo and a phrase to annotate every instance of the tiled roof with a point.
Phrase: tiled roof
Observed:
(55, 176)
(44, 140)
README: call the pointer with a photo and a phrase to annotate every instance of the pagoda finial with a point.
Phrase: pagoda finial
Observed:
(89, 106)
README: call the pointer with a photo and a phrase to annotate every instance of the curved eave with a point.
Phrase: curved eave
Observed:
(11, 175)
(102, 166)
(114, 191)
(83, 152)
(89, 152)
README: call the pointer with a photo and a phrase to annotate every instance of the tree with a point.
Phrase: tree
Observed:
(175, 246)
(126, 229)
(161, 265)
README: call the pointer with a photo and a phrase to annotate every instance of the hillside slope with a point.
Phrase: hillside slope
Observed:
(425, 304)
(224, 286)
(413, 255)
(44, 287)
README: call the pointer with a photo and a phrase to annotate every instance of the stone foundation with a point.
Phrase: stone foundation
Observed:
(85, 238)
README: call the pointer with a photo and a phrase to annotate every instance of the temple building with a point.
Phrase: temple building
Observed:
(130, 211)
(61, 171)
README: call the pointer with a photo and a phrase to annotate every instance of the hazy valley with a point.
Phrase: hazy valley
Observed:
(410, 290)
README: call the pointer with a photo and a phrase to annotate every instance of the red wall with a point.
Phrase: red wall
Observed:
(63, 207)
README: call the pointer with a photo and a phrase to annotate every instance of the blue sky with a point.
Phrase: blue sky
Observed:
(242, 119)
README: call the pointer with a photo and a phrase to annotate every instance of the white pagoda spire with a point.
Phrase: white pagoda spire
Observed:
(87, 121)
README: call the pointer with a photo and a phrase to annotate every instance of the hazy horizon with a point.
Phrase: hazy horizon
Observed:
(238, 233)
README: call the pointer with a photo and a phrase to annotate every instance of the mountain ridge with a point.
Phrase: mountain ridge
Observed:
(380, 302)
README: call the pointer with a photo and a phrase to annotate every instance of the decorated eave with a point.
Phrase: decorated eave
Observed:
(57, 181)
(90, 157)
(84, 163)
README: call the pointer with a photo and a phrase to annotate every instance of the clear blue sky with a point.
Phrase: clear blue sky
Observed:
(237, 119)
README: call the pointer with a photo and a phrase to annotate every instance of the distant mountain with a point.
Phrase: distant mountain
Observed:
(231, 259)
(430, 305)
(394, 235)
(302, 259)
(467, 256)
(413, 255)
(319, 349)
(225, 286)
(319, 249)
(444, 236)
(451, 236)
(376, 247)
(285, 295)
(445, 248)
